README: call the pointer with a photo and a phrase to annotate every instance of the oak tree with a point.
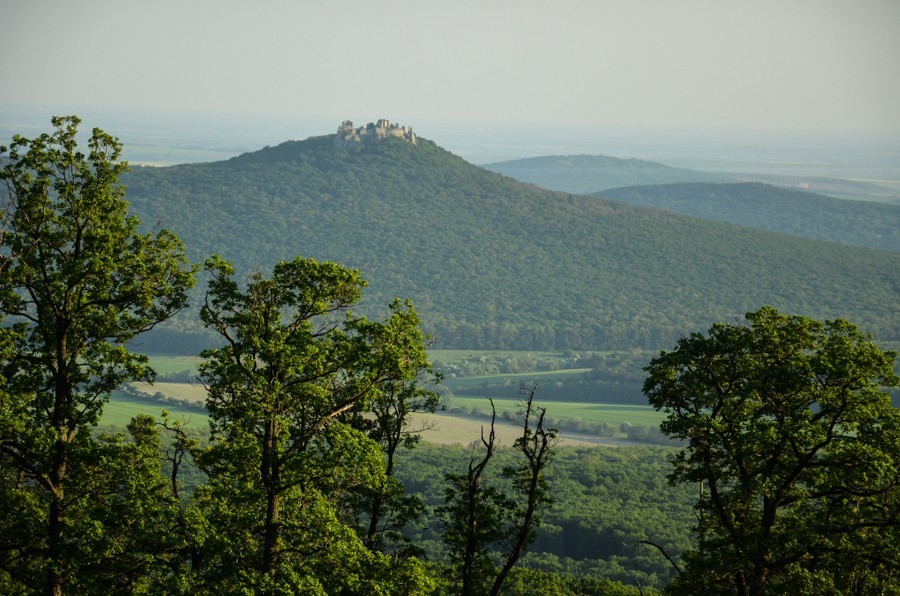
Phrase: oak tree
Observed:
(78, 281)
(795, 447)
(295, 362)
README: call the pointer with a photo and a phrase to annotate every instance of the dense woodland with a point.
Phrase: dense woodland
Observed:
(311, 478)
(593, 174)
(586, 174)
(795, 212)
(497, 264)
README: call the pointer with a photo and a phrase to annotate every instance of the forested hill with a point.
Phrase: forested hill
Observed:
(797, 212)
(585, 174)
(491, 262)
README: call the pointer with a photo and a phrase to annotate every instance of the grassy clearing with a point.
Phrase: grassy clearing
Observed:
(194, 393)
(167, 365)
(516, 378)
(612, 414)
(122, 408)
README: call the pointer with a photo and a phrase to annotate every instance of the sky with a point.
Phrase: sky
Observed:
(773, 64)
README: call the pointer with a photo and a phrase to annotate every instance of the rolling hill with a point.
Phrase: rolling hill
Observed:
(795, 212)
(491, 262)
(586, 174)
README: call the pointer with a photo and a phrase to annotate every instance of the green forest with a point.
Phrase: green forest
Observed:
(492, 263)
(595, 174)
(780, 473)
(794, 212)
(587, 174)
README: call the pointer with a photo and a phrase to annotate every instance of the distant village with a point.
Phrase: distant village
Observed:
(348, 134)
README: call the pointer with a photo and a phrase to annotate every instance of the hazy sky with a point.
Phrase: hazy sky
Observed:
(717, 63)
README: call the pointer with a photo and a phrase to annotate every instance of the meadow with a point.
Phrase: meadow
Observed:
(121, 408)
(611, 414)
(460, 423)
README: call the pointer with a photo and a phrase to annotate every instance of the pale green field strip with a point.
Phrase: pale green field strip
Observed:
(439, 428)
(192, 392)
(612, 414)
(538, 377)
(121, 408)
(166, 365)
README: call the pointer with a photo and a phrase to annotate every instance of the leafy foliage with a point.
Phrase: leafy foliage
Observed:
(77, 282)
(795, 447)
(282, 462)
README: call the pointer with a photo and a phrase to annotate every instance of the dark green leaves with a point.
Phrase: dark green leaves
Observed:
(794, 445)
(77, 282)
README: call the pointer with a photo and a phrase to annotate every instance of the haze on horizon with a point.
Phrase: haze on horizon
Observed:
(771, 64)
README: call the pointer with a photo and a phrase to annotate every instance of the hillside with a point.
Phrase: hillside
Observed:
(585, 174)
(491, 262)
(842, 188)
(795, 212)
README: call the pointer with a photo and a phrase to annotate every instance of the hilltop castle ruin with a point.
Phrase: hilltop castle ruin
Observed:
(347, 134)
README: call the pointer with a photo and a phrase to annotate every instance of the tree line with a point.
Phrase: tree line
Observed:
(308, 405)
(790, 439)
(492, 263)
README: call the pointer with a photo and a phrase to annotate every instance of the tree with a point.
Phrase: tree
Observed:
(78, 282)
(386, 417)
(294, 362)
(483, 523)
(796, 450)
(474, 516)
(536, 446)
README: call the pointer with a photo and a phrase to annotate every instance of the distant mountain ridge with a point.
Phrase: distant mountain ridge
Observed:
(587, 174)
(490, 262)
(758, 205)
(592, 174)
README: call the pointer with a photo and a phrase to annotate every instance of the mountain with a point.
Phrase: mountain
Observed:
(795, 212)
(854, 190)
(494, 263)
(584, 174)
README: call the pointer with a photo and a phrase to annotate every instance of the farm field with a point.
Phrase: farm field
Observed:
(167, 365)
(441, 428)
(461, 426)
(121, 408)
(458, 429)
(192, 392)
(612, 414)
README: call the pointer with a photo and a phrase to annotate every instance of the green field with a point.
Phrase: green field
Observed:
(166, 365)
(445, 427)
(516, 378)
(192, 392)
(612, 414)
(122, 408)
(438, 428)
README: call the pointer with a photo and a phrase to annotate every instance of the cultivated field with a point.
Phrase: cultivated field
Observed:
(194, 393)
(462, 426)
(122, 408)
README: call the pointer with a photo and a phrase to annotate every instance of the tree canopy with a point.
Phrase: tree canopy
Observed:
(795, 448)
(285, 455)
(78, 281)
